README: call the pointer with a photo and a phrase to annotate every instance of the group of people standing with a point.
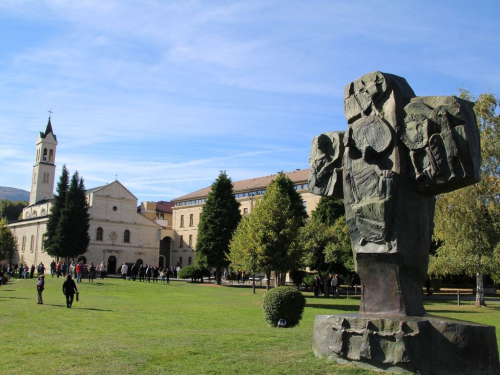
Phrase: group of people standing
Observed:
(147, 273)
(78, 270)
(22, 271)
(333, 282)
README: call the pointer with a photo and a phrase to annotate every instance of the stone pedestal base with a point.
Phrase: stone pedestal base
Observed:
(428, 345)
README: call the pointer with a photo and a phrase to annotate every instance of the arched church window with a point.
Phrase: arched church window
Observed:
(35, 214)
(44, 154)
(23, 246)
(98, 236)
(126, 236)
(51, 155)
(38, 155)
(32, 243)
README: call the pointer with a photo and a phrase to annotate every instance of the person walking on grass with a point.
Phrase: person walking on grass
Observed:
(69, 290)
(40, 286)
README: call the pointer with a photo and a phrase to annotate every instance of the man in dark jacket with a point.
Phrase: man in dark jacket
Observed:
(69, 290)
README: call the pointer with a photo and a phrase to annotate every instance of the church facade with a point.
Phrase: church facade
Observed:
(118, 233)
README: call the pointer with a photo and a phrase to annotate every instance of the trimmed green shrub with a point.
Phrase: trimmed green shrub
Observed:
(194, 273)
(283, 302)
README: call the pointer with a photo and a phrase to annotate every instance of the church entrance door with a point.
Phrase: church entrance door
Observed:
(112, 265)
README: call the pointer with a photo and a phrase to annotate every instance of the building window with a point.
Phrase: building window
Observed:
(51, 156)
(126, 236)
(44, 238)
(245, 211)
(190, 260)
(32, 243)
(23, 246)
(191, 220)
(98, 235)
(190, 241)
(35, 214)
(44, 154)
(180, 262)
(182, 221)
(181, 241)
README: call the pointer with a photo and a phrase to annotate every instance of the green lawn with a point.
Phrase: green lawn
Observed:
(126, 327)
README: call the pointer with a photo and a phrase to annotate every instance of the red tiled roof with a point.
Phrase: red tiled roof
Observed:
(162, 206)
(297, 176)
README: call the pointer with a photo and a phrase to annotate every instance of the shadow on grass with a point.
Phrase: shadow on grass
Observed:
(14, 298)
(76, 308)
(6, 290)
(347, 308)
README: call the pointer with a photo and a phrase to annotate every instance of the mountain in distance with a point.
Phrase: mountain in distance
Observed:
(14, 194)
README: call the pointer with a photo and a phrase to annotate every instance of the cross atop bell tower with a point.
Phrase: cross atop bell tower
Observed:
(42, 186)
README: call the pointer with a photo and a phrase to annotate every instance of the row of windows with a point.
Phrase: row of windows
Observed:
(190, 261)
(100, 234)
(34, 213)
(240, 195)
(190, 241)
(188, 203)
(32, 243)
(191, 220)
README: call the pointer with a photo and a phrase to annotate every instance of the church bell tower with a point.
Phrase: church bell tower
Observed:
(42, 186)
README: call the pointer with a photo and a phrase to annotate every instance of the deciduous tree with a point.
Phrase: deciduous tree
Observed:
(7, 243)
(11, 210)
(467, 221)
(275, 223)
(326, 242)
(243, 252)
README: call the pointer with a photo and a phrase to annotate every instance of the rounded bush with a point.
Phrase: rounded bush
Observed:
(283, 302)
(193, 272)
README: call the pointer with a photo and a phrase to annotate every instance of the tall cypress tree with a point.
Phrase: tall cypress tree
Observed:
(73, 227)
(219, 219)
(51, 241)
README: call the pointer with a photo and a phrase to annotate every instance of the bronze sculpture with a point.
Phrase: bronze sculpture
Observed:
(398, 153)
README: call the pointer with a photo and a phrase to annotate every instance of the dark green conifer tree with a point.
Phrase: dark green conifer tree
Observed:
(51, 242)
(74, 224)
(219, 219)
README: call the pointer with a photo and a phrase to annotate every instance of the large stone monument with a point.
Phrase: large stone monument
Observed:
(398, 152)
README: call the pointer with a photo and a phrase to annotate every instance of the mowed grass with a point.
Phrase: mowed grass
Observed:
(126, 327)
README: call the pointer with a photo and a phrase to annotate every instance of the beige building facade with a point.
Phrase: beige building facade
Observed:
(187, 210)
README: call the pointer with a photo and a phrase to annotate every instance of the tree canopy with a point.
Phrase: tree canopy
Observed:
(467, 221)
(267, 241)
(219, 219)
(325, 240)
(7, 242)
(11, 210)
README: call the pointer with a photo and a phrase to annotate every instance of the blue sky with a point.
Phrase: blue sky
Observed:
(165, 94)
